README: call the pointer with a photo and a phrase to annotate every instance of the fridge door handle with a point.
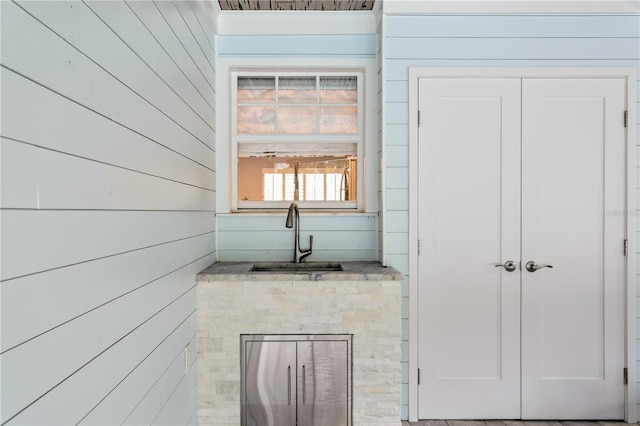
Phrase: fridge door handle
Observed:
(304, 386)
(289, 385)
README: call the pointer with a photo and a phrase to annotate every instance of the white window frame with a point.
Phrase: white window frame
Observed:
(368, 199)
(275, 138)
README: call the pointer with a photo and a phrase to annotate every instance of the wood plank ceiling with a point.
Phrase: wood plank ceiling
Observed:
(296, 4)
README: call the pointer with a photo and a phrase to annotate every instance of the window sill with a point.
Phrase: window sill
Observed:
(305, 212)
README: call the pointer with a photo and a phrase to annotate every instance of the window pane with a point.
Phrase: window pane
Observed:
(320, 178)
(335, 183)
(338, 119)
(297, 119)
(289, 186)
(338, 90)
(256, 90)
(256, 119)
(314, 187)
(272, 187)
(297, 90)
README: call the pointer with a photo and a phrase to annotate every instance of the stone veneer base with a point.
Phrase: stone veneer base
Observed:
(370, 310)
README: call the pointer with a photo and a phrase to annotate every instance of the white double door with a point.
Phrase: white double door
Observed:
(521, 170)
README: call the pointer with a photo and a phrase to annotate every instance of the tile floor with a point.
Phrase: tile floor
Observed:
(506, 423)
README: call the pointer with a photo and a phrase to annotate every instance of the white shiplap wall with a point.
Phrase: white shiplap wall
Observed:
(108, 198)
(578, 40)
(263, 236)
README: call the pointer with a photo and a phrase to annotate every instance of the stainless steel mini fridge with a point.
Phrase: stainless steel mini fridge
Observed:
(302, 380)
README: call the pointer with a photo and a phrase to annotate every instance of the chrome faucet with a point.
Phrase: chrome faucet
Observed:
(298, 254)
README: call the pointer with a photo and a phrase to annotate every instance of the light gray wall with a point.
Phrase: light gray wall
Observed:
(479, 41)
(108, 200)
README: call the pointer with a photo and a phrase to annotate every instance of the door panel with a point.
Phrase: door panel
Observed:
(469, 319)
(271, 383)
(573, 314)
(322, 383)
(547, 344)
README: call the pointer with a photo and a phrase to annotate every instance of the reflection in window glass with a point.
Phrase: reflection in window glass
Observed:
(273, 186)
(338, 90)
(256, 90)
(339, 119)
(296, 137)
(335, 184)
(294, 105)
(272, 178)
(297, 119)
(297, 90)
(256, 119)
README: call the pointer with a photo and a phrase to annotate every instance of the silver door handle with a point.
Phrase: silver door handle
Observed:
(304, 386)
(532, 267)
(289, 385)
(509, 265)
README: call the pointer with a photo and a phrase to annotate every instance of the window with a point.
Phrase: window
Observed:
(297, 137)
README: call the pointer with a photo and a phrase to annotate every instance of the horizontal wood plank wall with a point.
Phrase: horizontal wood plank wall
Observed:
(347, 45)
(263, 236)
(108, 203)
(480, 41)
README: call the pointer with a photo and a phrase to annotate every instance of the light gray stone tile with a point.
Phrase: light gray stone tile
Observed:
(542, 423)
(578, 423)
(430, 423)
(465, 423)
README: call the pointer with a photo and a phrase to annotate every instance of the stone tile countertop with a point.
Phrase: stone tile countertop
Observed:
(307, 271)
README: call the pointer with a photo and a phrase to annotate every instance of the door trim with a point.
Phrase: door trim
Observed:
(630, 76)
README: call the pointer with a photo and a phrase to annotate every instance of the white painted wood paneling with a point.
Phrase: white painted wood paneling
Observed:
(263, 240)
(149, 408)
(326, 255)
(140, 380)
(100, 281)
(92, 339)
(518, 26)
(100, 44)
(282, 45)
(511, 7)
(264, 237)
(515, 48)
(41, 240)
(66, 126)
(121, 19)
(397, 68)
(295, 23)
(308, 222)
(179, 405)
(108, 184)
(155, 22)
(197, 30)
(84, 81)
(44, 179)
(188, 41)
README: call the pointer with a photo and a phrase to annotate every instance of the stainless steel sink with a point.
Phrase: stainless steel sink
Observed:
(284, 267)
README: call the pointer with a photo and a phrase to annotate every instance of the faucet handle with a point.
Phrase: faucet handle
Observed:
(307, 253)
